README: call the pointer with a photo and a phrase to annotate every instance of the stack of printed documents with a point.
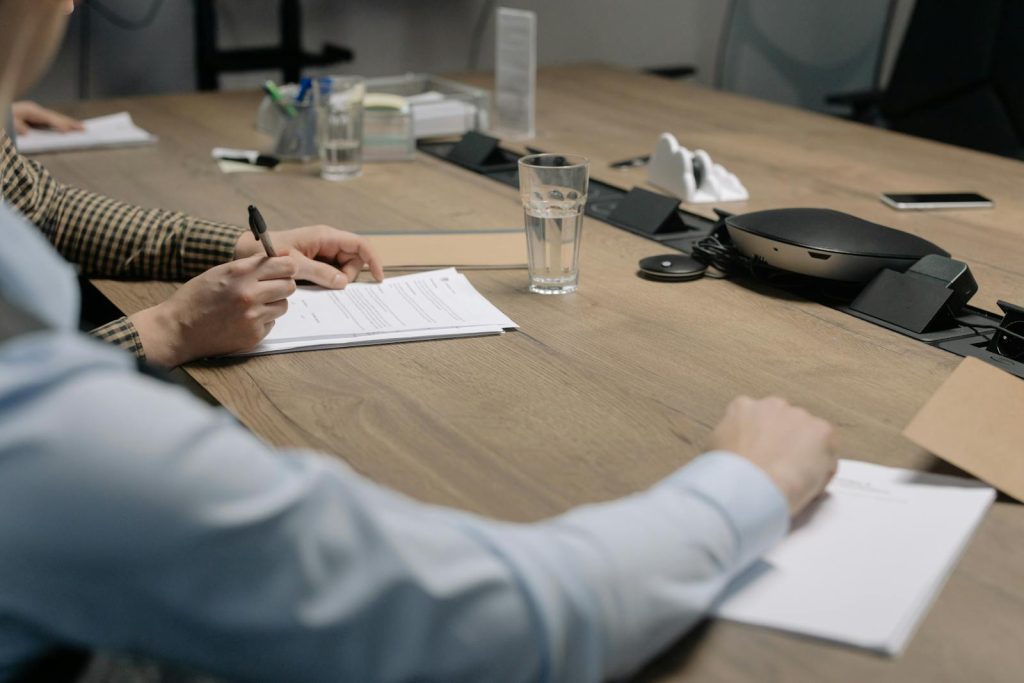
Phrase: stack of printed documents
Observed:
(438, 304)
(862, 566)
(116, 130)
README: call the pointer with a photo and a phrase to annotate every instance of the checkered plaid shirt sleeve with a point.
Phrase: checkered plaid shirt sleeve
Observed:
(108, 238)
(121, 332)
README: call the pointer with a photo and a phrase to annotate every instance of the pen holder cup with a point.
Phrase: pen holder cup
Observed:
(295, 139)
(269, 118)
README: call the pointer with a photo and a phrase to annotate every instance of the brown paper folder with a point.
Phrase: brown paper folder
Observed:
(976, 421)
(465, 250)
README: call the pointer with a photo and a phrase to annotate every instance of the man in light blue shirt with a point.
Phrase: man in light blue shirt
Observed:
(135, 519)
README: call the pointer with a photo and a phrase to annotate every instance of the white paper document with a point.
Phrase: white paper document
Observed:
(446, 117)
(433, 305)
(116, 130)
(864, 564)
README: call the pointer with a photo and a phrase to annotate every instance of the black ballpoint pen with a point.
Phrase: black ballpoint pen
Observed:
(259, 230)
(631, 163)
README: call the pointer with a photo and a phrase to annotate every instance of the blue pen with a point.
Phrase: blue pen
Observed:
(304, 85)
(326, 82)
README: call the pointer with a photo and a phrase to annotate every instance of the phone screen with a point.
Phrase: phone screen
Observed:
(935, 199)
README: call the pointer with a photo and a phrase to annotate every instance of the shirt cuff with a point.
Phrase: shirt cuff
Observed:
(619, 581)
(206, 245)
(122, 333)
(745, 496)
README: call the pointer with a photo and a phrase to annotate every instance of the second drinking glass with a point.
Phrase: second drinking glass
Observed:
(340, 126)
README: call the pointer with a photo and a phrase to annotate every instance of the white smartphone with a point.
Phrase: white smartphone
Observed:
(937, 200)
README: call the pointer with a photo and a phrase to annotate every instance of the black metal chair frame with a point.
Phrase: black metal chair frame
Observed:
(288, 55)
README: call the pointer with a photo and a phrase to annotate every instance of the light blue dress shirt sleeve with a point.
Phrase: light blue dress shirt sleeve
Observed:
(33, 275)
(135, 519)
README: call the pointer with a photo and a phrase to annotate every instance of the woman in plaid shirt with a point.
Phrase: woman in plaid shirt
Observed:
(233, 293)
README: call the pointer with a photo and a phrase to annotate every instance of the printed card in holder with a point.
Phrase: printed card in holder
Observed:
(515, 73)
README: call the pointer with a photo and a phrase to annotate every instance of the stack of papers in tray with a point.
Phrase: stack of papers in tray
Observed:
(864, 564)
(116, 130)
(435, 115)
(433, 305)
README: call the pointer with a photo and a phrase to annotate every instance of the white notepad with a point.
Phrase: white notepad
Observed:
(438, 304)
(864, 564)
(116, 130)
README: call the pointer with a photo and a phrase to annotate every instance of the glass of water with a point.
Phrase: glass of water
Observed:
(554, 192)
(340, 126)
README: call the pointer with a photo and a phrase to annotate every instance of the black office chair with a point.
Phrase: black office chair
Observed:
(288, 56)
(957, 77)
(798, 51)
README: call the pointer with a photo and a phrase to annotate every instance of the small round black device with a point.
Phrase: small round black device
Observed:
(671, 268)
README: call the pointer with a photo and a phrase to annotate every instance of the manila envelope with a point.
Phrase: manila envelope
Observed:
(976, 422)
(464, 250)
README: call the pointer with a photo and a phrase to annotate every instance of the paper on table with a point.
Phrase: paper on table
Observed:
(466, 250)
(431, 305)
(447, 117)
(864, 564)
(267, 348)
(116, 130)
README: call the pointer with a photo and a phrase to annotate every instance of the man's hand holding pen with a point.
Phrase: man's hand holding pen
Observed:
(233, 306)
(322, 255)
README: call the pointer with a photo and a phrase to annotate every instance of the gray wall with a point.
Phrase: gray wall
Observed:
(388, 36)
(393, 36)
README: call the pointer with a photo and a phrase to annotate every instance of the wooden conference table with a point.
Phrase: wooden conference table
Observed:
(601, 393)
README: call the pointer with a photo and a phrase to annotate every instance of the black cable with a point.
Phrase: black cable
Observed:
(126, 24)
(716, 251)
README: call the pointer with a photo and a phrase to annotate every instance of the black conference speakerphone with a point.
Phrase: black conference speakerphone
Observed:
(658, 217)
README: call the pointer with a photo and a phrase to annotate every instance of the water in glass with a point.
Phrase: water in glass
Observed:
(554, 223)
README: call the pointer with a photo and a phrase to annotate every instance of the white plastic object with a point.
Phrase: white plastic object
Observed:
(515, 73)
(671, 169)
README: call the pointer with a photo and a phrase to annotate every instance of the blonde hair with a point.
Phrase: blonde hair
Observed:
(30, 32)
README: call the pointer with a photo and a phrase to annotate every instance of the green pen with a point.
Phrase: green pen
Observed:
(277, 98)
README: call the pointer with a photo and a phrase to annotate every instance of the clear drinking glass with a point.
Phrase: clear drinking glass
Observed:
(554, 192)
(340, 126)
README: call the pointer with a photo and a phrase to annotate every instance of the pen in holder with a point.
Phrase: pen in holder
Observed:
(296, 135)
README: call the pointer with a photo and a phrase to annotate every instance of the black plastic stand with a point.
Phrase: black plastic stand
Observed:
(479, 152)
(913, 303)
(648, 213)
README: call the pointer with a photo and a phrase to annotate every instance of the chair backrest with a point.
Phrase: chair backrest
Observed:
(799, 51)
(958, 75)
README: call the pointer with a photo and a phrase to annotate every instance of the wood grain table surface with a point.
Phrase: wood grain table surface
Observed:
(601, 393)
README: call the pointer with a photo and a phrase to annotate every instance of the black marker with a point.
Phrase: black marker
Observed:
(631, 163)
(259, 230)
